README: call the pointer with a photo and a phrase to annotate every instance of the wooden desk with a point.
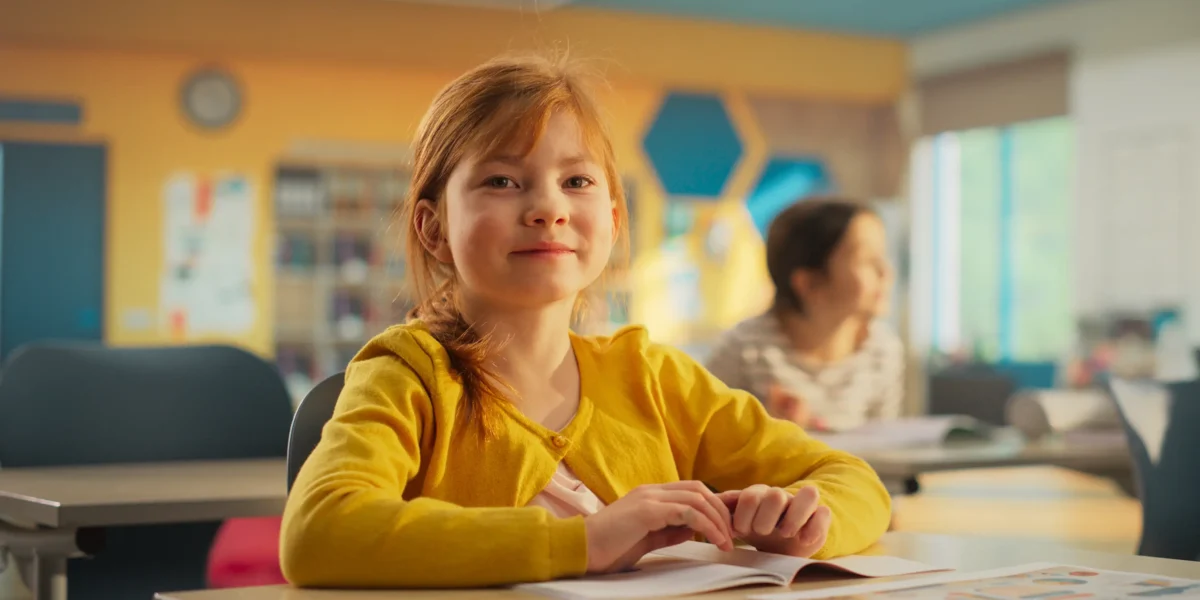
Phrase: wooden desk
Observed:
(1038, 504)
(121, 495)
(143, 494)
(56, 501)
(1103, 455)
(960, 552)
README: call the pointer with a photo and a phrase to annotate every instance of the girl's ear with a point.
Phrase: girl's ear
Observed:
(803, 281)
(429, 230)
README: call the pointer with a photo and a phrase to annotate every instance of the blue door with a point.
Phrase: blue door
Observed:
(52, 199)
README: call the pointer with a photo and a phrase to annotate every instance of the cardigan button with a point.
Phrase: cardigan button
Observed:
(559, 441)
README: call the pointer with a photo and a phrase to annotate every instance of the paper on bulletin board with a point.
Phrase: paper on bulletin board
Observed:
(208, 240)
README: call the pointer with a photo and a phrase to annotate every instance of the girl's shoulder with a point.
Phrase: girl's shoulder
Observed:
(882, 337)
(629, 352)
(628, 342)
(403, 352)
(409, 341)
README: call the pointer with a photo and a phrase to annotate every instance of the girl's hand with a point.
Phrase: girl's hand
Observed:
(774, 520)
(652, 517)
(785, 405)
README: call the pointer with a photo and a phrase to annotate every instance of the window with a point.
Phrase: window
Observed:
(991, 241)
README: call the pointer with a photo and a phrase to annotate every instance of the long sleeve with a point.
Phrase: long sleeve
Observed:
(347, 523)
(726, 439)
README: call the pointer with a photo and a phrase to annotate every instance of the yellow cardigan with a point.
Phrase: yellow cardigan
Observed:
(402, 493)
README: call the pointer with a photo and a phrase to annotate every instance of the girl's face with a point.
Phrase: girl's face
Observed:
(858, 280)
(527, 231)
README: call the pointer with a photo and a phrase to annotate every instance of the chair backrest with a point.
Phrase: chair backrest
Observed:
(1162, 421)
(77, 403)
(66, 403)
(314, 411)
(974, 390)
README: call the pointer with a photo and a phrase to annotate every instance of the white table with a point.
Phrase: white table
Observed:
(54, 502)
(960, 552)
(1101, 455)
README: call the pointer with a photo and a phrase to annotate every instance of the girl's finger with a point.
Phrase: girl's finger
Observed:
(730, 498)
(747, 507)
(812, 535)
(770, 510)
(799, 511)
(715, 529)
(663, 538)
(687, 515)
(723, 516)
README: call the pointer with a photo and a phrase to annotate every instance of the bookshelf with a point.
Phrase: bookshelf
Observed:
(339, 269)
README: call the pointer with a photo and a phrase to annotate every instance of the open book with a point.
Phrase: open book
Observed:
(1033, 580)
(904, 433)
(696, 567)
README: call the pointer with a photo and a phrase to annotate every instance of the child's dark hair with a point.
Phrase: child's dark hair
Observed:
(805, 236)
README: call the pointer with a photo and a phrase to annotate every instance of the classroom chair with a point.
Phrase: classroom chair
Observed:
(974, 390)
(314, 411)
(1162, 422)
(70, 403)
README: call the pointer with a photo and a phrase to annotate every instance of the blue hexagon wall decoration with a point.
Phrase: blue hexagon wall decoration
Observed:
(693, 145)
(784, 180)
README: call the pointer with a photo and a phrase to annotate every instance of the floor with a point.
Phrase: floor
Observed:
(1056, 505)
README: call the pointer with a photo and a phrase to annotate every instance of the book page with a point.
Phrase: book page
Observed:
(902, 433)
(696, 567)
(786, 567)
(654, 577)
(783, 567)
(1034, 580)
(880, 566)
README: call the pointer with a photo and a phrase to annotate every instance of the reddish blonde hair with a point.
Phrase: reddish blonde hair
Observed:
(502, 104)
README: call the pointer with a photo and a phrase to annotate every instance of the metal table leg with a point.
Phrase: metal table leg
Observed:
(41, 556)
(48, 577)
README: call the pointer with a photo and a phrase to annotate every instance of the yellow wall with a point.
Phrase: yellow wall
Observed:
(126, 64)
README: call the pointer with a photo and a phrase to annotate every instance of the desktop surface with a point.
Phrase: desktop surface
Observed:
(964, 553)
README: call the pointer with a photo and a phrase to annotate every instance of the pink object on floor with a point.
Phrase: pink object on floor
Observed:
(245, 553)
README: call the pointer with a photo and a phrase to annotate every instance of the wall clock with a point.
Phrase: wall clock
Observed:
(211, 99)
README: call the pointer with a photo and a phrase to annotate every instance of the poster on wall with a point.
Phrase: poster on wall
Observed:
(208, 267)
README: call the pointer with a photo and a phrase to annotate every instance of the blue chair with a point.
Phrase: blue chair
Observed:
(1162, 421)
(312, 414)
(79, 404)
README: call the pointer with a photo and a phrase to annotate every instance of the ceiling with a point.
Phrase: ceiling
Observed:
(885, 18)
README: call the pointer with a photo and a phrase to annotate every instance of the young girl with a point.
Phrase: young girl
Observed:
(820, 356)
(483, 443)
